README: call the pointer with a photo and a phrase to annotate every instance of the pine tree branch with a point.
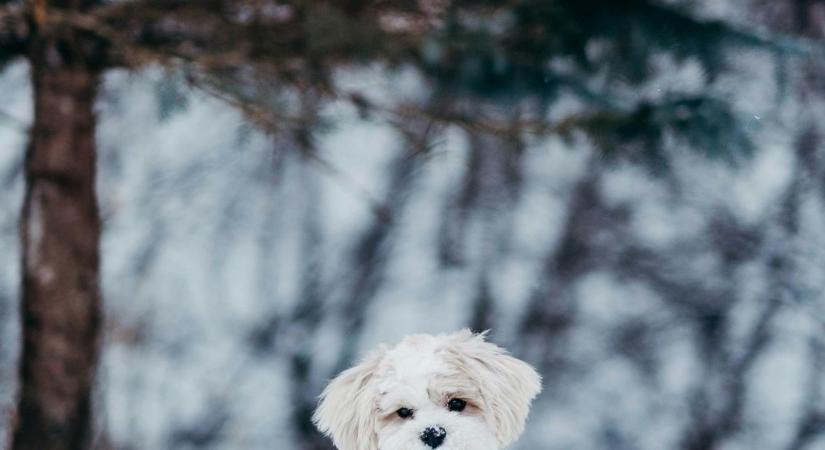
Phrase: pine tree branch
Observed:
(14, 31)
(735, 34)
(283, 37)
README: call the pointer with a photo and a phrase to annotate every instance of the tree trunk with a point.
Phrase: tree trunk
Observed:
(60, 229)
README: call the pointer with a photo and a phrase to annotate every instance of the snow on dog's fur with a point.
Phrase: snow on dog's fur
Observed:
(452, 392)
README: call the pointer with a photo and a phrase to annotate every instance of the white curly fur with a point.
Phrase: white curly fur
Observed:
(358, 409)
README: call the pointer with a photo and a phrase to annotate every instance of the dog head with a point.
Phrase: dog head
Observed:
(450, 392)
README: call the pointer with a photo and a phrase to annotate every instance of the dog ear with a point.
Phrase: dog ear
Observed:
(346, 409)
(506, 385)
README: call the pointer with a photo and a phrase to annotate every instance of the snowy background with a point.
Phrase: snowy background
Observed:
(678, 308)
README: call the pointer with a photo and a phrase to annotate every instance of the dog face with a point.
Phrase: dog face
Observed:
(450, 392)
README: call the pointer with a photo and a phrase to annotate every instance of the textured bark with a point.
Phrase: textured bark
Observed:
(60, 230)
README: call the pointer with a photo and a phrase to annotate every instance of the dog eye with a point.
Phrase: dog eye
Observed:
(456, 404)
(404, 413)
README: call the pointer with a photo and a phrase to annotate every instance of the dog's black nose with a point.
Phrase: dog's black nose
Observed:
(433, 436)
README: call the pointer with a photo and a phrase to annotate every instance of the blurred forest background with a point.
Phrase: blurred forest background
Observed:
(630, 194)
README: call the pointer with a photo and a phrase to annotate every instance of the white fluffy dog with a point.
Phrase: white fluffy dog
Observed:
(452, 392)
